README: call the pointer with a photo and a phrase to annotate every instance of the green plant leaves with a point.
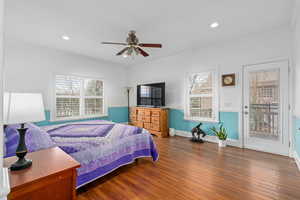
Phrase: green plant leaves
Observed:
(221, 133)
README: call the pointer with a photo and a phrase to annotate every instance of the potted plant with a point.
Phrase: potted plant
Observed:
(221, 134)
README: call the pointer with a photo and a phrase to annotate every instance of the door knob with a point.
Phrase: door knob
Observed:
(246, 113)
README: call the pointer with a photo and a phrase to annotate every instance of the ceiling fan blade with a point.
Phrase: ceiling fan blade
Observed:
(150, 45)
(115, 43)
(144, 53)
(121, 52)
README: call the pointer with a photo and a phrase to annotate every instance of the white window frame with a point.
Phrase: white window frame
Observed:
(82, 98)
(215, 97)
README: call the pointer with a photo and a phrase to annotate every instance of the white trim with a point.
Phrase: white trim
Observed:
(297, 159)
(285, 100)
(5, 187)
(201, 120)
(77, 118)
(209, 138)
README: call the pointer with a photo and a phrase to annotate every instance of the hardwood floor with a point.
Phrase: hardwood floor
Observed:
(189, 171)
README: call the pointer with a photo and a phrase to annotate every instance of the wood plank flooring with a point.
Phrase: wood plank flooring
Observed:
(189, 171)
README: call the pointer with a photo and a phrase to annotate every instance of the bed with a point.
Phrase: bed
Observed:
(100, 146)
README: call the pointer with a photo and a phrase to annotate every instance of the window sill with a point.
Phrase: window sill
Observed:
(201, 120)
(77, 118)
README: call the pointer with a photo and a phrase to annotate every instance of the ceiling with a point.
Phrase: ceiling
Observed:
(178, 25)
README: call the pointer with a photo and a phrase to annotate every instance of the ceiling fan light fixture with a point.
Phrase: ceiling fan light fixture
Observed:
(214, 25)
(65, 37)
(133, 46)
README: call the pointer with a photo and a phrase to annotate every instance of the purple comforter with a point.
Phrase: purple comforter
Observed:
(102, 146)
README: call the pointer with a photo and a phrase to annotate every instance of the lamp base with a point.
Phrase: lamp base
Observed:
(21, 152)
(21, 164)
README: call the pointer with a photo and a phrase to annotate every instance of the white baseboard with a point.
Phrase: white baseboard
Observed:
(297, 159)
(209, 138)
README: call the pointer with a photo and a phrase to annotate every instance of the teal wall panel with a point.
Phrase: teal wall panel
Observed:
(118, 114)
(230, 121)
(115, 114)
(296, 123)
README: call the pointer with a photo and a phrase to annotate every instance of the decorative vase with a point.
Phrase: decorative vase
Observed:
(222, 143)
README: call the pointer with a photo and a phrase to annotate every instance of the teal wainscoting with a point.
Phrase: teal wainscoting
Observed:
(297, 134)
(230, 121)
(115, 114)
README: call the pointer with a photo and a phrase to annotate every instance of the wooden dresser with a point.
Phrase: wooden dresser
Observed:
(155, 120)
(52, 176)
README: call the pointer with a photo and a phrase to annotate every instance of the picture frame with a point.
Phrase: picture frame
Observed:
(228, 80)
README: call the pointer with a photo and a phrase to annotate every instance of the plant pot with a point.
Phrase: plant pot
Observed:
(222, 143)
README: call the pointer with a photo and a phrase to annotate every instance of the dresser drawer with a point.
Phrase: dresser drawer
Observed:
(140, 117)
(140, 124)
(155, 113)
(147, 112)
(155, 127)
(147, 119)
(133, 111)
(133, 123)
(141, 112)
(155, 120)
(133, 117)
(55, 187)
(147, 126)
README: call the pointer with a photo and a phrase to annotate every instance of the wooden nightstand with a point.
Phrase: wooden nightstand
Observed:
(51, 176)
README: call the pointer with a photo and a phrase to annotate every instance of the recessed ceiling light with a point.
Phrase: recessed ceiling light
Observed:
(65, 37)
(214, 25)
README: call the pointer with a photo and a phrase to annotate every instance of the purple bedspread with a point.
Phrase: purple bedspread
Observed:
(102, 146)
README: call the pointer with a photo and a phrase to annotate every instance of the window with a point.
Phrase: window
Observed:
(202, 101)
(77, 97)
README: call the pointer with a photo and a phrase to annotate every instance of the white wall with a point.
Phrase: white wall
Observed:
(296, 59)
(1, 80)
(4, 179)
(229, 57)
(30, 68)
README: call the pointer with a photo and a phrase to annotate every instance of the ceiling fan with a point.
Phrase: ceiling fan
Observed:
(133, 46)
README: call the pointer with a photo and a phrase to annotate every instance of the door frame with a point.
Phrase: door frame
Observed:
(289, 115)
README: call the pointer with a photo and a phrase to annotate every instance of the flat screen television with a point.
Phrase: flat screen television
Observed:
(151, 95)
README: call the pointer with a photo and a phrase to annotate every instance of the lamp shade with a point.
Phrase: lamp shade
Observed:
(23, 107)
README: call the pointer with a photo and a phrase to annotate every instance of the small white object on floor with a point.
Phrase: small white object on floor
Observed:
(172, 132)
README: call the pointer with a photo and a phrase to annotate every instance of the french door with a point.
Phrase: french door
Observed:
(266, 105)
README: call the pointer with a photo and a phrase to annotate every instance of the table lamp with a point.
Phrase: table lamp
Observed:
(20, 108)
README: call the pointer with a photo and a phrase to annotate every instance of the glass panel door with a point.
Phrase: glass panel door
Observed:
(266, 107)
